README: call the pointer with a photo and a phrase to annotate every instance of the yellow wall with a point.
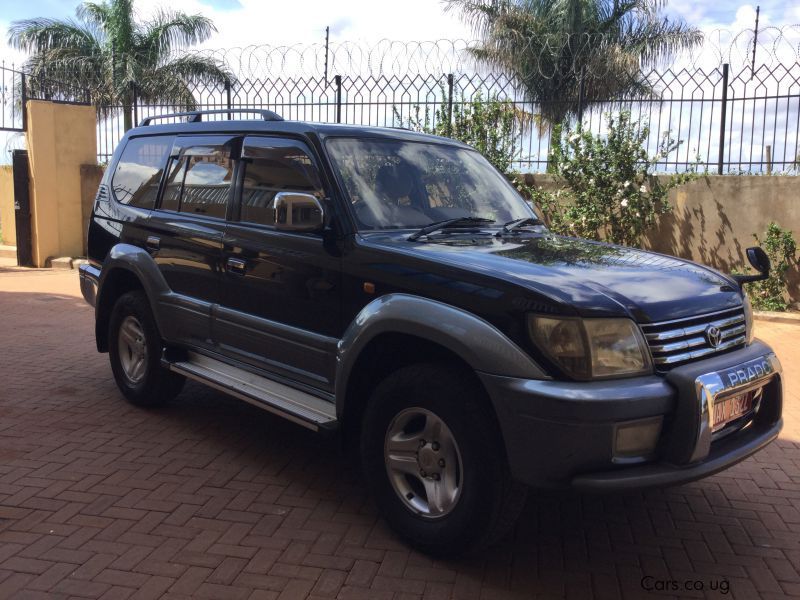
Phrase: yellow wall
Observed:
(60, 138)
(7, 227)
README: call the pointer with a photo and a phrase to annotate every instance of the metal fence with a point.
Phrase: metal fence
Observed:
(728, 120)
(733, 110)
(17, 86)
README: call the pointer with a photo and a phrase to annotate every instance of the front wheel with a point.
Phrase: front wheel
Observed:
(434, 459)
(135, 348)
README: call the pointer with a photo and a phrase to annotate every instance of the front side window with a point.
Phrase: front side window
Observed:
(396, 184)
(272, 166)
(138, 173)
(199, 181)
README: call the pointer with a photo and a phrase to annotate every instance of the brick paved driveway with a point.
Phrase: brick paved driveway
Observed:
(211, 498)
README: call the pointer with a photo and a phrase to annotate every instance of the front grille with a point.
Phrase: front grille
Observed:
(673, 343)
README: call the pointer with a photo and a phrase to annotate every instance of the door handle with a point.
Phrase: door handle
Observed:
(153, 242)
(237, 266)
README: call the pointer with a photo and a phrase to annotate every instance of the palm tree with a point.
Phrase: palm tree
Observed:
(547, 44)
(114, 57)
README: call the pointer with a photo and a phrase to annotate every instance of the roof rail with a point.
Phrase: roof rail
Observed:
(195, 116)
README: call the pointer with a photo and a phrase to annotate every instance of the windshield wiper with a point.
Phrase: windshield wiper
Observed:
(437, 225)
(523, 222)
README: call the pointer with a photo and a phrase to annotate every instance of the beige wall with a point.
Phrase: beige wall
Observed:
(715, 217)
(8, 229)
(60, 138)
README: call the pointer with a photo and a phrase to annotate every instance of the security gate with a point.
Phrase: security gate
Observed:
(22, 208)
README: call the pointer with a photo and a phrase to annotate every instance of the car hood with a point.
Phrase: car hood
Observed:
(590, 278)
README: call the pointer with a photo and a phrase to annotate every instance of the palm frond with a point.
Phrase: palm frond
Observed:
(187, 69)
(170, 31)
(38, 35)
(92, 13)
(547, 44)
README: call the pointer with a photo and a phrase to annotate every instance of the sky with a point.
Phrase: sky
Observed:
(245, 22)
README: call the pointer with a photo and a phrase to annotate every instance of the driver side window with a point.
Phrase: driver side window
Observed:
(273, 165)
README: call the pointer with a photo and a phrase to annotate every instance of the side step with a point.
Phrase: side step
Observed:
(299, 407)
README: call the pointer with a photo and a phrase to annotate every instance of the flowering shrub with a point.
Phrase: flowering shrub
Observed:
(608, 189)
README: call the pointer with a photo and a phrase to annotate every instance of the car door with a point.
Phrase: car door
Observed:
(280, 295)
(185, 233)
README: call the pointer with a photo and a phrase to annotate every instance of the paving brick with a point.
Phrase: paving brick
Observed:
(210, 498)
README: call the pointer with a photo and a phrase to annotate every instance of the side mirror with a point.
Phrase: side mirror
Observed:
(298, 212)
(759, 261)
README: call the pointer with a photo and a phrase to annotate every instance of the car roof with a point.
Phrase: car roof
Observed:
(303, 128)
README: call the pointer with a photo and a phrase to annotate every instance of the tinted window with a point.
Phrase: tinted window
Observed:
(273, 166)
(395, 184)
(139, 169)
(199, 181)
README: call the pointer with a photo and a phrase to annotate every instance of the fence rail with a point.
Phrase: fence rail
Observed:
(17, 87)
(728, 120)
(730, 115)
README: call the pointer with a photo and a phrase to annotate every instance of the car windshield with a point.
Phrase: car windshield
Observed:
(396, 184)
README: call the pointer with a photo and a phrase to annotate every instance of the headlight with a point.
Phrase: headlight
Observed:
(592, 348)
(748, 318)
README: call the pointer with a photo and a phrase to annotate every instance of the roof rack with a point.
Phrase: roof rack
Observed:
(195, 116)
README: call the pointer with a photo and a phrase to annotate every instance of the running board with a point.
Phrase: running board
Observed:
(299, 407)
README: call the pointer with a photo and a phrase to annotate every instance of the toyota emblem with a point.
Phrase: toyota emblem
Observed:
(713, 335)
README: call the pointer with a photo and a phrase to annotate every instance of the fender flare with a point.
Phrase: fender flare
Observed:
(138, 262)
(476, 341)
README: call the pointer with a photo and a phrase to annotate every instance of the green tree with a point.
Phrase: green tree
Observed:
(108, 52)
(546, 44)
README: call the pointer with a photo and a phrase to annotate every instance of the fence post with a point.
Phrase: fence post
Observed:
(723, 118)
(133, 103)
(24, 98)
(228, 97)
(338, 81)
(449, 105)
(581, 94)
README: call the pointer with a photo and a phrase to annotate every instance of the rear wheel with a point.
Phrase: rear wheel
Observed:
(135, 348)
(435, 463)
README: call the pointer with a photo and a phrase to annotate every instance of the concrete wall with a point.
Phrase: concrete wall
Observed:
(8, 229)
(60, 138)
(714, 219)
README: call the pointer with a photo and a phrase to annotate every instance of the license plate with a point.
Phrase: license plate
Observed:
(732, 408)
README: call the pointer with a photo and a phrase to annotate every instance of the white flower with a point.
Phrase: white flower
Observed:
(591, 181)
(643, 189)
(626, 184)
(574, 137)
(624, 203)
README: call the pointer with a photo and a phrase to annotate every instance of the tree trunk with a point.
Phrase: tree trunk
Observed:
(127, 115)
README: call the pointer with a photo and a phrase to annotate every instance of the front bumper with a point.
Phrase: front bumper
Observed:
(561, 434)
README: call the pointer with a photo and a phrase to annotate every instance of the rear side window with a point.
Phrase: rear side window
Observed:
(138, 173)
(199, 181)
(274, 165)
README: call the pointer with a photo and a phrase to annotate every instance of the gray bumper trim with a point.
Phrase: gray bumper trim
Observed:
(723, 455)
(89, 277)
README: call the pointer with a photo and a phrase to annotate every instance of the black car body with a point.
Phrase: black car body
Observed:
(275, 280)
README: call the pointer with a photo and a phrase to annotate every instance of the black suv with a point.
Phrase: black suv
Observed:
(393, 287)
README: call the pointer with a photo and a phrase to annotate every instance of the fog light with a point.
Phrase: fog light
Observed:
(637, 438)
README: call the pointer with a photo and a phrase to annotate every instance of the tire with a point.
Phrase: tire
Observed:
(477, 501)
(134, 348)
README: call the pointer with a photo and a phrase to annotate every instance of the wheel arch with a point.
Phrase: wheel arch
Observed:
(125, 269)
(399, 329)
